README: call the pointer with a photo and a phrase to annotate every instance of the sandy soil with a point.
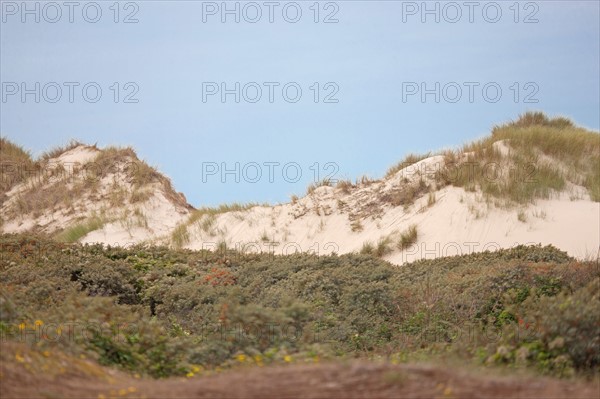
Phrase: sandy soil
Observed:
(75, 378)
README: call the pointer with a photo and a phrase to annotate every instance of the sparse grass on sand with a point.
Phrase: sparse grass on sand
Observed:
(16, 164)
(75, 232)
(545, 154)
(321, 183)
(58, 151)
(408, 237)
(367, 248)
(384, 247)
(207, 216)
(52, 188)
(409, 160)
(345, 186)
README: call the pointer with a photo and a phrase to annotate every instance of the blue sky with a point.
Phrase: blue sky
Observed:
(370, 58)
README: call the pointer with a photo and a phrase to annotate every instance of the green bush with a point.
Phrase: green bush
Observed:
(160, 311)
(564, 331)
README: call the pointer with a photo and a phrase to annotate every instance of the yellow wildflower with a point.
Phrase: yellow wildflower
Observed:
(196, 369)
(287, 359)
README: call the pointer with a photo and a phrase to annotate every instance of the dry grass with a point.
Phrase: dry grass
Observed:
(431, 200)
(313, 186)
(367, 248)
(364, 180)
(55, 189)
(408, 238)
(207, 217)
(58, 151)
(407, 194)
(42, 198)
(138, 195)
(125, 160)
(356, 226)
(345, 186)
(15, 165)
(409, 160)
(545, 154)
(384, 247)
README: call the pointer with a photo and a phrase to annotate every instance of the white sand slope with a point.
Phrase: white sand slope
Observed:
(459, 222)
(329, 219)
(108, 201)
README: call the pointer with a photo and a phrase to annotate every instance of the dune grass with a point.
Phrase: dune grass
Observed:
(545, 154)
(138, 171)
(408, 238)
(207, 217)
(59, 150)
(345, 186)
(384, 247)
(13, 152)
(15, 165)
(379, 250)
(80, 230)
(180, 236)
(409, 160)
(321, 183)
(367, 248)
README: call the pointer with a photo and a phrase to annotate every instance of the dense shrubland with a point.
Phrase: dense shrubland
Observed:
(174, 312)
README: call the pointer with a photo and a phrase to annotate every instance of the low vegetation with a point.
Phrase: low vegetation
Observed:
(544, 155)
(79, 230)
(16, 165)
(409, 160)
(58, 151)
(206, 216)
(408, 238)
(52, 187)
(367, 248)
(161, 312)
(356, 226)
(321, 183)
(345, 186)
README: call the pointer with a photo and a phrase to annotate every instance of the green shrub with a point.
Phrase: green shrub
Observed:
(160, 310)
(564, 332)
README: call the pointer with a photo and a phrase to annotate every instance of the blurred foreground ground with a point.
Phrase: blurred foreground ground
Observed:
(26, 373)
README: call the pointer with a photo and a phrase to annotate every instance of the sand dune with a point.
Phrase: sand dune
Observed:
(449, 220)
